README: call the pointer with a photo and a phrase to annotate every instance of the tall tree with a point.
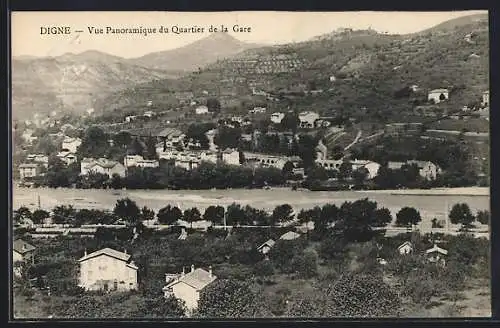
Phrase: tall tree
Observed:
(214, 214)
(94, 143)
(307, 150)
(127, 210)
(461, 214)
(382, 217)
(151, 148)
(122, 139)
(235, 215)
(408, 217)
(282, 213)
(39, 216)
(192, 215)
(22, 214)
(63, 214)
(169, 215)
(483, 217)
(147, 214)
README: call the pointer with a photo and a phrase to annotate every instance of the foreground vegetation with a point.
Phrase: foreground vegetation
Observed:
(334, 270)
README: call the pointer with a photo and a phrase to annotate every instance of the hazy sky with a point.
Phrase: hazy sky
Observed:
(266, 28)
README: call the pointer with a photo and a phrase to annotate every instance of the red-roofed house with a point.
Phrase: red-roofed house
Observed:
(107, 269)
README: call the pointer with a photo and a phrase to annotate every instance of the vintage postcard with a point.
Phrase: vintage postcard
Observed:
(235, 165)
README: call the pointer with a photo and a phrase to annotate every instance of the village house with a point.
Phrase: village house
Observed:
(486, 99)
(231, 157)
(265, 160)
(237, 119)
(56, 135)
(277, 117)
(139, 161)
(29, 170)
(187, 286)
(290, 235)
(170, 137)
(130, 118)
(256, 110)
(436, 255)
(67, 157)
(329, 164)
(23, 251)
(405, 248)
(200, 110)
(427, 170)
(107, 269)
(67, 126)
(266, 247)
(148, 113)
(308, 119)
(371, 167)
(71, 144)
(103, 166)
(321, 123)
(28, 136)
(38, 159)
(438, 95)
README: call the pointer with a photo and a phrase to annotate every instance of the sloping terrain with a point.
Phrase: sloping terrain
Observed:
(352, 70)
(195, 55)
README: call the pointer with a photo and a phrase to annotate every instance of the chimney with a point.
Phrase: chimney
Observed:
(124, 251)
(183, 272)
(85, 252)
(192, 267)
(210, 271)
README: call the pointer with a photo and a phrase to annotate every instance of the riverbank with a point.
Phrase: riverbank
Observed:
(461, 191)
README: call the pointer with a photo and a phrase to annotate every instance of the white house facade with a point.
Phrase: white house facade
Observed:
(107, 269)
(187, 286)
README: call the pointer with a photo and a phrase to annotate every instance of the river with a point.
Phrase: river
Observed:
(430, 203)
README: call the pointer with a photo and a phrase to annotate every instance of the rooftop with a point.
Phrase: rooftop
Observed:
(109, 252)
(22, 247)
(438, 90)
(197, 279)
(436, 249)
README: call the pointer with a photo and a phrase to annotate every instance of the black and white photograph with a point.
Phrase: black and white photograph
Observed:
(234, 165)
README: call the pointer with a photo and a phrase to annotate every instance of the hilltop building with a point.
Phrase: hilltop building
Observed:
(277, 117)
(438, 95)
(308, 119)
(71, 144)
(200, 110)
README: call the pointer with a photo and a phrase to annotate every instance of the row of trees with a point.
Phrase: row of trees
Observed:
(359, 215)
